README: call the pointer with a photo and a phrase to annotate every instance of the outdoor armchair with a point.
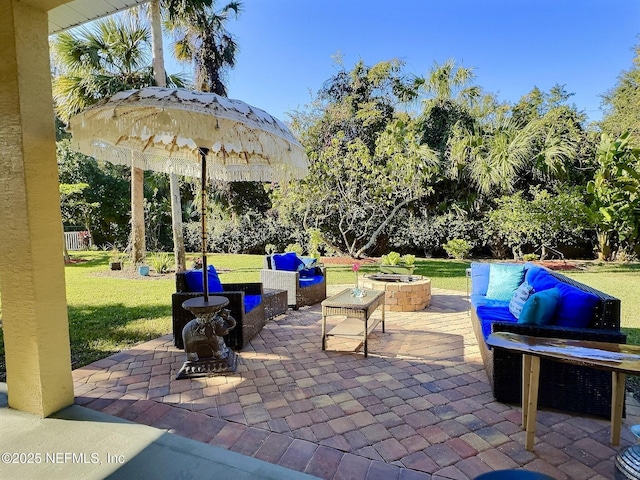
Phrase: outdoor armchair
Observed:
(246, 303)
(304, 281)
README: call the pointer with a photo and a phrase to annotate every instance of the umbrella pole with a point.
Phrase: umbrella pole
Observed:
(203, 190)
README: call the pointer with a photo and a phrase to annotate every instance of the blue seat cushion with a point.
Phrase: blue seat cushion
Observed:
(195, 283)
(481, 300)
(308, 281)
(504, 279)
(287, 261)
(488, 314)
(251, 302)
(576, 307)
(540, 308)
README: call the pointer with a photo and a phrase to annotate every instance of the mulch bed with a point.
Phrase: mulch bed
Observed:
(347, 260)
(561, 264)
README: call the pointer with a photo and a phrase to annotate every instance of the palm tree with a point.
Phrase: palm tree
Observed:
(498, 152)
(448, 98)
(174, 184)
(93, 63)
(202, 39)
(489, 155)
(175, 10)
(448, 83)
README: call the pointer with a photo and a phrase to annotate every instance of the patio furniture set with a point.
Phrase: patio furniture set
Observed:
(522, 302)
(250, 304)
(287, 281)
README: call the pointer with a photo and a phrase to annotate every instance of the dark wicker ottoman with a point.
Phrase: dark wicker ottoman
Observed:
(275, 302)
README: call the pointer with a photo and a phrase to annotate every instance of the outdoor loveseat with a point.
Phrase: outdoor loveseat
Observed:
(561, 308)
(246, 304)
(304, 281)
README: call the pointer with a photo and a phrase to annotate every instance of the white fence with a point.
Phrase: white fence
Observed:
(77, 240)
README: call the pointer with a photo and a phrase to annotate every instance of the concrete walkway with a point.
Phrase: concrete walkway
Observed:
(80, 443)
(419, 407)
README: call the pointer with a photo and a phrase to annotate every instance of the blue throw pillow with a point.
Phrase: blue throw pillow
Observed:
(540, 279)
(309, 262)
(576, 307)
(287, 261)
(479, 278)
(520, 296)
(307, 272)
(195, 284)
(504, 278)
(540, 308)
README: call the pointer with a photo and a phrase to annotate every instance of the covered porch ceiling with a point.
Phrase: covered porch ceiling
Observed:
(77, 12)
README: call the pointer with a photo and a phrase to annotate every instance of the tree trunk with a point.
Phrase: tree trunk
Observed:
(65, 252)
(137, 214)
(174, 184)
(176, 223)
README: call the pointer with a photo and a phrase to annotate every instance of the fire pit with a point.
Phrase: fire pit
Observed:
(403, 293)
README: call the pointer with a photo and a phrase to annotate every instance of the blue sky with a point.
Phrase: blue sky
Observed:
(286, 46)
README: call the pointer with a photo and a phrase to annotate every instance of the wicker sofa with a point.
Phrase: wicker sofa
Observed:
(304, 286)
(562, 386)
(248, 324)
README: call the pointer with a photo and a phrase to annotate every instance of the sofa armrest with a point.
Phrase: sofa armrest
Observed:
(282, 280)
(607, 313)
(554, 331)
(247, 288)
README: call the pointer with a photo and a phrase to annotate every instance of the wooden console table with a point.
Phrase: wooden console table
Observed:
(357, 310)
(620, 359)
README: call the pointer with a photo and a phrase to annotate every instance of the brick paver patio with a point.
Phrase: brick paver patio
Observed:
(419, 407)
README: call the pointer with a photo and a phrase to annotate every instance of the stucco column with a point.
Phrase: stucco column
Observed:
(32, 285)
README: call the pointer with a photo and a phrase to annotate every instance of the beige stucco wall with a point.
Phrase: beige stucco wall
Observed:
(34, 314)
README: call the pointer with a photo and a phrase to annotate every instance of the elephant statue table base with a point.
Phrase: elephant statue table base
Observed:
(207, 354)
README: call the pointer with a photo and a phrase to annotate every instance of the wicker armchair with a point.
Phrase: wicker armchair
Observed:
(247, 324)
(297, 296)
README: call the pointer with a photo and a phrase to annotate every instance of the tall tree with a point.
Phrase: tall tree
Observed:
(201, 38)
(536, 142)
(366, 164)
(159, 75)
(615, 190)
(622, 102)
(213, 53)
(447, 94)
(91, 63)
(488, 156)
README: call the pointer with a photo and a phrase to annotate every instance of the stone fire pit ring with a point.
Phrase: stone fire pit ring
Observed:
(403, 293)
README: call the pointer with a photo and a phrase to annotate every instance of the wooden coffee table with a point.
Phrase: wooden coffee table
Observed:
(620, 359)
(358, 311)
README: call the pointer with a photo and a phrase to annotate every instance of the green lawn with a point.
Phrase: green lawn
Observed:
(108, 314)
(621, 281)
